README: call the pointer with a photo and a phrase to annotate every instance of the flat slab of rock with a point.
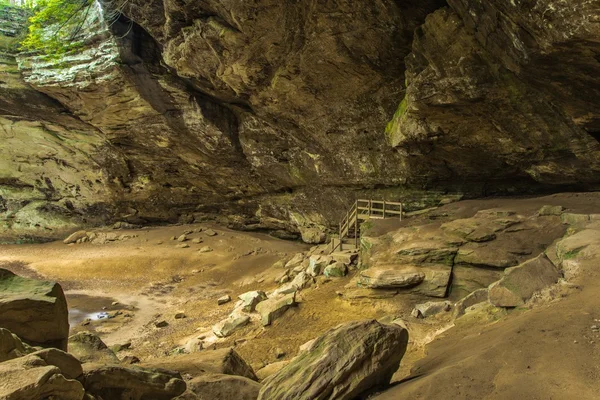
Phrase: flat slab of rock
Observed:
(230, 324)
(274, 308)
(336, 270)
(224, 387)
(221, 361)
(117, 382)
(340, 365)
(390, 277)
(41, 376)
(521, 282)
(271, 369)
(34, 310)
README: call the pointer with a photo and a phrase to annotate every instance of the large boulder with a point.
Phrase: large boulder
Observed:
(121, 383)
(88, 347)
(46, 374)
(341, 364)
(34, 310)
(224, 387)
(521, 282)
(221, 361)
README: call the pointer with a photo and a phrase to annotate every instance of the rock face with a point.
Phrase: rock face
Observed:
(521, 282)
(343, 363)
(88, 347)
(34, 310)
(11, 346)
(485, 102)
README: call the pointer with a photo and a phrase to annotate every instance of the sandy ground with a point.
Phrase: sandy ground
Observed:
(146, 279)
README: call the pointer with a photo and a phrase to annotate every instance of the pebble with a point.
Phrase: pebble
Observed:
(224, 300)
(182, 238)
(161, 324)
(180, 315)
(197, 241)
(182, 246)
(205, 249)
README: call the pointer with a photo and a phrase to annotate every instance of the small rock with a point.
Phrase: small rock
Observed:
(173, 237)
(161, 324)
(130, 360)
(210, 232)
(205, 249)
(279, 353)
(180, 315)
(159, 242)
(182, 246)
(337, 269)
(430, 308)
(251, 299)
(224, 300)
(274, 308)
(197, 241)
(550, 210)
(182, 238)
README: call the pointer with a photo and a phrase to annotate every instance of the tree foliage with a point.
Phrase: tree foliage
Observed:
(54, 27)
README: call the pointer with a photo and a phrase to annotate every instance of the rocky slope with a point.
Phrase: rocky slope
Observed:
(273, 114)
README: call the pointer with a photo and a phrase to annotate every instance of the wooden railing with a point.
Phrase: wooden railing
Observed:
(363, 210)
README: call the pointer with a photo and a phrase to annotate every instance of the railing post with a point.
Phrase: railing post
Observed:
(383, 209)
(341, 240)
(370, 206)
(356, 230)
(400, 211)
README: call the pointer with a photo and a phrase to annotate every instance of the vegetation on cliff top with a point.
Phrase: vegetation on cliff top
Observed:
(55, 25)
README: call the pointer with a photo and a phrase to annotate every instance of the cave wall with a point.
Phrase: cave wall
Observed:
(272, 114)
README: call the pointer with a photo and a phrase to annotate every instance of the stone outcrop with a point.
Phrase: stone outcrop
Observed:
(34, 310)
(521, 282)
(341, 364)
(383, 277)
(11, 346)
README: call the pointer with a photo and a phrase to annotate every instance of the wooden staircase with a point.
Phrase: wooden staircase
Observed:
(349, 229)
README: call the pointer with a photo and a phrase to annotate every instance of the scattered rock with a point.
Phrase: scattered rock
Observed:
(295, 261)
(521, 282)
(161, 324)
(182, 238)
(430, 308)
(316, 264)
(180, 315)
(347, 258)
(182, 246)
(389, 277)
(224, 387)
(34, 310)
(338, 269)
(74, 237)
(230, 324)
(342, 364)
(223, 300)
(197, 241)
(274, 308)
(210, 232)
(130, 360)
(251, 299)
(205, 249)
(279, 353)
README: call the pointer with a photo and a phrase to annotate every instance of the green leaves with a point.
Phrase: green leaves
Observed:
(55, 25)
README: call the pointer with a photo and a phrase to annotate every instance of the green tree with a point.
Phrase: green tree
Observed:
(55, 24)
